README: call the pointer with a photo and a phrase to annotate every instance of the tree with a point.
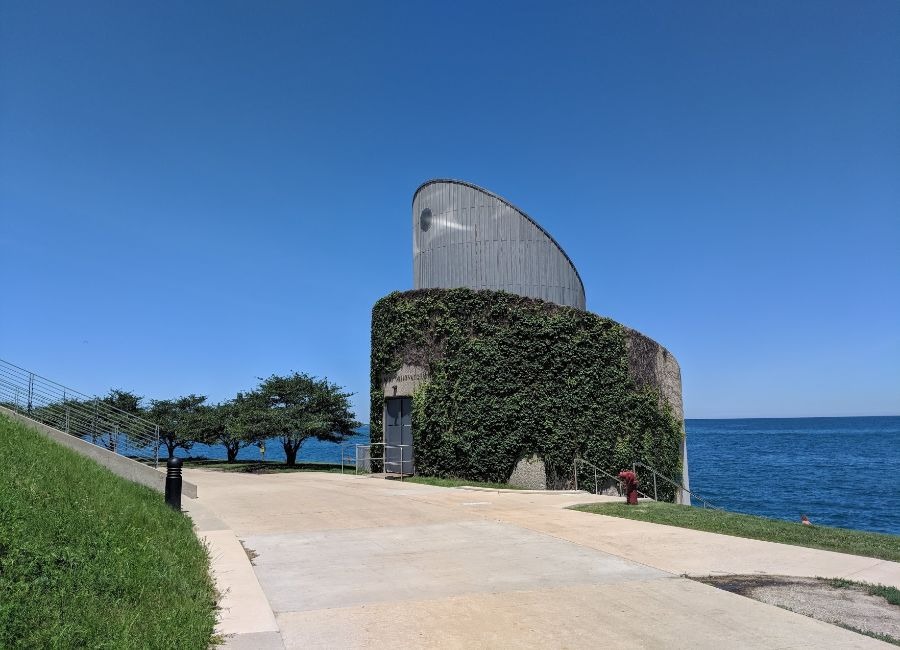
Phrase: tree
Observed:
(125, 401)
(179, 420)
(227, 424)
(117, 420)
(297, 407)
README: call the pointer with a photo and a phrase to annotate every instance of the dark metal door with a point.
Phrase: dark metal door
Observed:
(398, 453)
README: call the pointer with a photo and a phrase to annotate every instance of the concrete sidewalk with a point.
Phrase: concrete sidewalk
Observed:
(351, 561)
(245, 617)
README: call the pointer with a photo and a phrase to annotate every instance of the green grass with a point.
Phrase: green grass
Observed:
(890, 594)
(263, 467)
(842, 540)
(457, 482)
(90, 560)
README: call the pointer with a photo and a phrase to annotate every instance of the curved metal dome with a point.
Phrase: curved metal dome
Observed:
(466, 236)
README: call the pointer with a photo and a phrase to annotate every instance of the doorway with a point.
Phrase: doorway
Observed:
(398, 450)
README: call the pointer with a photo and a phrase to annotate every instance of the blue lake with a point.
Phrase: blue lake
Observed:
(312, 450)
(838, 471)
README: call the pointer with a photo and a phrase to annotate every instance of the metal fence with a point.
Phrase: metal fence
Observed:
(77, 414)
(593, 479)
(360, 458)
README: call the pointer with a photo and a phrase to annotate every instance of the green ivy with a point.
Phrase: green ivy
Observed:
(511, 376)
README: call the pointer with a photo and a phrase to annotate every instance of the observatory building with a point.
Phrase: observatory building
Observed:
(491, 369)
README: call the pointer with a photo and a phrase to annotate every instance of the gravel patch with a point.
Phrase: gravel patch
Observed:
(851, 607)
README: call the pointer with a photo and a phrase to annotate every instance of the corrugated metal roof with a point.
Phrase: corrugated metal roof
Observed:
(511, 205)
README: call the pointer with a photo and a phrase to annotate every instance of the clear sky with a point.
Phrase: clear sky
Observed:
(194, 195)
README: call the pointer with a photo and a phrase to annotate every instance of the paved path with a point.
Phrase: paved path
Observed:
(349, 561)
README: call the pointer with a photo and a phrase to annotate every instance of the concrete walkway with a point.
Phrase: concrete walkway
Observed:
(348, 561)
(245, 616)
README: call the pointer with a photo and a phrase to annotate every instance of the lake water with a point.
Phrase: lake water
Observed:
(838, 471)
(312, 450)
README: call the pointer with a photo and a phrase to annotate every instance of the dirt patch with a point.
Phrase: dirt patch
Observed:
(850, 606)
(251, 554)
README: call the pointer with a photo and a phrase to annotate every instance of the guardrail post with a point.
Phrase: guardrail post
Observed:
(30, 390)
(94, 420)
(173, 483)
(655, 498)
(156, 456)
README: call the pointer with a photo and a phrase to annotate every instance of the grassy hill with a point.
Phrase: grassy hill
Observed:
(90, 560)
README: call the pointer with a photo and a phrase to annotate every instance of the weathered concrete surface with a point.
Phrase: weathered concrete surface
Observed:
(529, 473)
(652, 365)
(245, 617)
(405, 381)
(664, 613)
(693, 552)
(358, 562)
(116, 463)
(368, 565)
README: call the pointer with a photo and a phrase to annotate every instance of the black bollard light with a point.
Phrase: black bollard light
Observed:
(173, 483)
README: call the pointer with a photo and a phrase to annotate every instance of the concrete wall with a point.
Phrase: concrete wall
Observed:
(465, 236)
(404, 382)
(119, 465)
(650, 364)
(530, 473)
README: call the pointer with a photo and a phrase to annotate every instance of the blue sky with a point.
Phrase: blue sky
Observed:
(194, 195)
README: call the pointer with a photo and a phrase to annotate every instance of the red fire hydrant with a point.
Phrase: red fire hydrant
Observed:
(629, 479)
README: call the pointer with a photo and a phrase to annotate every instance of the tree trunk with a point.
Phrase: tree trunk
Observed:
(232, 451)
(290, 454)
(171, 446)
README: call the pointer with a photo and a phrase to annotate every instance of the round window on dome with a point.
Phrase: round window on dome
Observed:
(425, 219)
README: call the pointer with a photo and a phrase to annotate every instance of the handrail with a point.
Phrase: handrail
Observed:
(78, 414)
(678, 486)
(575, 462)
(384, 462)
(72, 392)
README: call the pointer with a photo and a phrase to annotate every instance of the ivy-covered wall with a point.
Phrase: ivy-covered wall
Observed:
(510, 376)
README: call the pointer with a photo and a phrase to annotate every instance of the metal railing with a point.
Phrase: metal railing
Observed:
(620, 485)
(367, 459)
(360, 460)
(675, 484)
(83, 416)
